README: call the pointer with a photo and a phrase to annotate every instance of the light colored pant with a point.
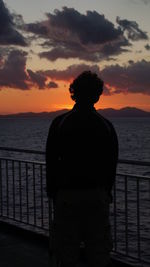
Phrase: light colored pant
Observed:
(82, 215)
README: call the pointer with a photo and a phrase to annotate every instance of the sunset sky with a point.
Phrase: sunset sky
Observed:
(44, 44)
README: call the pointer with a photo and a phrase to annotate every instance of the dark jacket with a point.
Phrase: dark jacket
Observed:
(81, 151)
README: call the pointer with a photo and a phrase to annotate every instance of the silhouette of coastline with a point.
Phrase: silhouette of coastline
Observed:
(108, 112)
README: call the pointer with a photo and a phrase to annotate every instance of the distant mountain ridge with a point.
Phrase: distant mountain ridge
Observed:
(108, 112)
(124, 112)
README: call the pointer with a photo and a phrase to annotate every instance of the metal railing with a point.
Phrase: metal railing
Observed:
(23, 201)
(22, 193)
(130, 217)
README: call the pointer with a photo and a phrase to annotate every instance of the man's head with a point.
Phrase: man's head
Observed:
(86, 88)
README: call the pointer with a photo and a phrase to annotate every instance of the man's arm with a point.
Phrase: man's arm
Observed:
(52, 160)
(114, 151)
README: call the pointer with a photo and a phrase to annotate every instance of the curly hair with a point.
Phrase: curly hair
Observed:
(87, 88)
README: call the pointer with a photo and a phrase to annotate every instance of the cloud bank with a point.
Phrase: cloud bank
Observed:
(70, 34)
(13, 73)
(133, 78)
(90, 37)
(9, 35)
(65, 34)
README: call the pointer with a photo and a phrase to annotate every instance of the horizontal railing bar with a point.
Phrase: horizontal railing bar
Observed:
(43, 163)
(122, 161)
(134, 162)
(134, 176)
(23, 161)
(22, 150)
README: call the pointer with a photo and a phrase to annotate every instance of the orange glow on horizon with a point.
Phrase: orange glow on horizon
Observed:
(17, 101)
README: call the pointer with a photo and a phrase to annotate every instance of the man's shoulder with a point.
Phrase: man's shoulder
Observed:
(106, 121)
(61, 117)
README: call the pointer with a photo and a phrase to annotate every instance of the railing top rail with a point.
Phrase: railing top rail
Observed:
(134, 162)
(23, 161)
(22, 150)
(134, 176)
(122, 161)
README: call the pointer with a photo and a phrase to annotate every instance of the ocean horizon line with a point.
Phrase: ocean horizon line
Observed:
(110, 112)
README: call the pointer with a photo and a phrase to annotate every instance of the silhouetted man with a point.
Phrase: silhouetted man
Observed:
(81, 157)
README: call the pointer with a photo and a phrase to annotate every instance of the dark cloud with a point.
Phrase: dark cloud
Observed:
(147, 47)
(38, 28)
(37, 78)
(92, 28)
(13, 73)
(65, 53)
(132, 29)
(8, 33)
(86, 53)
(115, 48)
(52, 85)
(133, 78)
(68, 52)
(70, 34)
(71, 72)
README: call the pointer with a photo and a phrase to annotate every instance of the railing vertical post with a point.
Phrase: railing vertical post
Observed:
(34, 194)
(126, 214)
(41, 180)
(115, 218)
(20, 190)
(14, 201)
(138, 221)
(7, 188)
(1, 188)
(27, 191)
(149, 188)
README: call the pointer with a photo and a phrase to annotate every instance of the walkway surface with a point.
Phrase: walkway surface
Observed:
(18, 250)
(22, 249)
